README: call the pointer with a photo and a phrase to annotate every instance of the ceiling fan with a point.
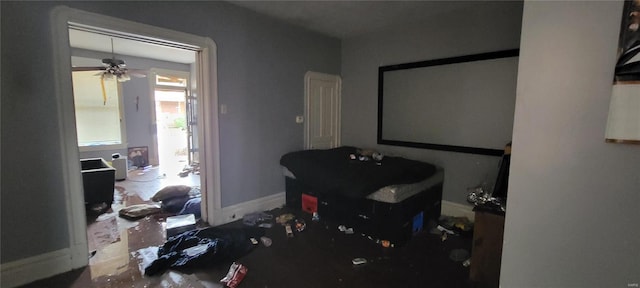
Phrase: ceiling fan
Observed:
(113, 68)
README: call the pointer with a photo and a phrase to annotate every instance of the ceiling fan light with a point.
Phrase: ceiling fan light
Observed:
(123, 78)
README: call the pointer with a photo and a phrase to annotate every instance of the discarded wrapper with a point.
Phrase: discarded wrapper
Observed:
(467, 263)
(300, 225)
(448, 231)
(284, 218)
(359, 261)
(254, 241)
(315, 217)
(346, 230)
(287, 229)
(235, 275)
(266, 241)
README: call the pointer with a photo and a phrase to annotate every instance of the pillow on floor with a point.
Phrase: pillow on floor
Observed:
(175, 204)
(192, 207)
(172, 191)
(138, 211)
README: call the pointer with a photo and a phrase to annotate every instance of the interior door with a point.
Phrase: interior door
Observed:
(322, 110)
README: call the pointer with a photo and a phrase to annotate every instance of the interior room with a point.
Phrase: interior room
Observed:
(572, 194)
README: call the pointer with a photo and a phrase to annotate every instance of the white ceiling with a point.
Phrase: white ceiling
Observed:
(98, 42)
(340, 19)
(346, 19)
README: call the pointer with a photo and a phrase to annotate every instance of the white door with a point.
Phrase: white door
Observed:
(322, 110)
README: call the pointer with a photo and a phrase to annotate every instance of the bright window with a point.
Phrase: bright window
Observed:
(162, 80)
(99, 116)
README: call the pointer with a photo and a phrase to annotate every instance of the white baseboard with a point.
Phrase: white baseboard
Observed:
(457, 210)
(34, 268)
(237, 211)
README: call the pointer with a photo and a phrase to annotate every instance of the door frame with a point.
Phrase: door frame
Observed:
(206, 66)
(308, 77)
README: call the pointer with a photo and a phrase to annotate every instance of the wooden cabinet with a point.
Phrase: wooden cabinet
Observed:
(487, 248)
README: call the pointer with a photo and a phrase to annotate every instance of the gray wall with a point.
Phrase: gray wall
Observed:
(491, 26)
(261, 66)
(139, 127)
(572, 217)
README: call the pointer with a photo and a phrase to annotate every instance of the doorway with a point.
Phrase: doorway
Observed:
(205, 73)
(174, 120)
(322, 98)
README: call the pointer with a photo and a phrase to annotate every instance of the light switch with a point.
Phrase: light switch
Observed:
(223, 109)
(299, 119)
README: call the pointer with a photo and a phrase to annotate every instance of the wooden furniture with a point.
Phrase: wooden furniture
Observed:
(487, 247)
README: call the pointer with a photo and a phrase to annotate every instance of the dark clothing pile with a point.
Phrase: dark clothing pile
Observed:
(202, 247)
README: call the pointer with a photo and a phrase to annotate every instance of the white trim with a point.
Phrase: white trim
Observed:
(70, 162)
(209, 140)
(237, 211)
(70, 159)
(328, 77)
(34, 268)
(457, 210)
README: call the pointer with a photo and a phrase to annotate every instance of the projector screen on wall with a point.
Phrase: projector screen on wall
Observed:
(464, 104)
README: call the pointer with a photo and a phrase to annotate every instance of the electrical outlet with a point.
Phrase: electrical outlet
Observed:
(299, 119)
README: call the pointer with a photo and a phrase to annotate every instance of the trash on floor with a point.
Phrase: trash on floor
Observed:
(235, 275)
(300, 225)
(445, 230)
(180, 223)
(287, 229)
(455, 225)
(252, 219)
(467, 263)
(138, 211)
(266, 241)
(346, 230)
(315, 217)
(284, 218)
(359, 261)
(193, 168)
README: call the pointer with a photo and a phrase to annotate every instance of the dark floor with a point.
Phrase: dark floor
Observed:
(319, 256)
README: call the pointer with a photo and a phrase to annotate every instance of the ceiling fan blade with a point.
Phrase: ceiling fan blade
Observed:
(87, 68)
